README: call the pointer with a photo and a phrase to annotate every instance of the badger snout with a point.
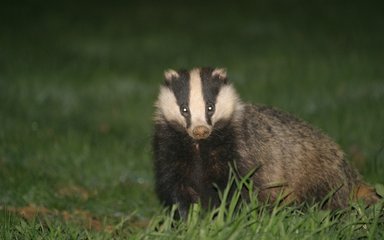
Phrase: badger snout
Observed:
(200, 132)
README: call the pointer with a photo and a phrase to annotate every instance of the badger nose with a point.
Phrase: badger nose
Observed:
(200, 132)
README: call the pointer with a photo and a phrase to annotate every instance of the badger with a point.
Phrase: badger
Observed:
(202, 128)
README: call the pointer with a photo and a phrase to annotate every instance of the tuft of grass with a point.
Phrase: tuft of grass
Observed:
(236, 218)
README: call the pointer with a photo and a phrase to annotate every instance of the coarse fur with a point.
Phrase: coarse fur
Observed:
(202, 128)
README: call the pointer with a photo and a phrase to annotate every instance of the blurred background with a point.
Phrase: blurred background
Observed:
(78, 82)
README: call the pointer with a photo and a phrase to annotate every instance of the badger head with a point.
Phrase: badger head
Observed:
(196, 101)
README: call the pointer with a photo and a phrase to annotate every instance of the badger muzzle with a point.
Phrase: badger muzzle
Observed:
(200, 132)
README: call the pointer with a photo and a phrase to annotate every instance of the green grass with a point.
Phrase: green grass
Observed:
(252, 220)
(77, 86)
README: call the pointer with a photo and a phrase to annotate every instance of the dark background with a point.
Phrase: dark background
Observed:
(78, 81)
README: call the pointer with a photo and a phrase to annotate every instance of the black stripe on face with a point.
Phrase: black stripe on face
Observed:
(180, 87)
(211, 87)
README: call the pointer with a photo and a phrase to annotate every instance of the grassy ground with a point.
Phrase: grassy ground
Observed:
(77, 85)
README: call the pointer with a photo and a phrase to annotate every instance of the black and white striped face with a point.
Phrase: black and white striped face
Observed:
(196, 100)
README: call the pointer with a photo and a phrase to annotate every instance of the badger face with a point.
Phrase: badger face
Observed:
(196, 101)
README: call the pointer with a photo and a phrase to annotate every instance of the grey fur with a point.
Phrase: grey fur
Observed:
(291, 157)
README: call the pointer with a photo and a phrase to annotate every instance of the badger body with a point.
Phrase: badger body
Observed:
(202, 128)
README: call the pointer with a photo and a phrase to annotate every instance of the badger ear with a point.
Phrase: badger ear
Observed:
(220, 73)
(169, 75)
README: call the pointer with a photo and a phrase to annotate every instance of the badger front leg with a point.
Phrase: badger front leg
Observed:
(173, 190)
(184, 197)
(172, 158)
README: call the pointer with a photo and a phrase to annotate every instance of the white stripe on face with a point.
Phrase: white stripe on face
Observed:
(226, 102)
(196, 101)
(167, 104)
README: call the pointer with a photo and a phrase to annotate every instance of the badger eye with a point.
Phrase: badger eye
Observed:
(210, 108)
(184, 110)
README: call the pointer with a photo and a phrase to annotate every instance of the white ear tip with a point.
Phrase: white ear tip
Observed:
(170, 74)
(220, 72)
